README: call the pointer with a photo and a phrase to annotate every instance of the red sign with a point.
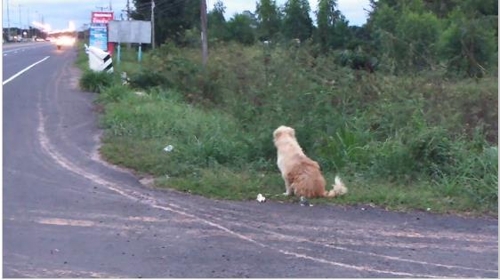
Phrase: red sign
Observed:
(101, 17)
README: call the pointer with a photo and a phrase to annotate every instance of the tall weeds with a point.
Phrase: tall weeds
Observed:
(370, 127)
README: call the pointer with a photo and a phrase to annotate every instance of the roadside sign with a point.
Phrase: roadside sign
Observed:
(98, 36)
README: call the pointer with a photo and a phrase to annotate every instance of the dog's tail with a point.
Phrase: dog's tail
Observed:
(338, 188)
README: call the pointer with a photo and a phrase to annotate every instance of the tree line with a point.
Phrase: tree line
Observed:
(460, 36)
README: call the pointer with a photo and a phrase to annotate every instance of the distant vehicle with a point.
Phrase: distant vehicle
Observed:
(64, 41)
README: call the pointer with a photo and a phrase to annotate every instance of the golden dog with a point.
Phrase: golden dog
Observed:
(301, 174)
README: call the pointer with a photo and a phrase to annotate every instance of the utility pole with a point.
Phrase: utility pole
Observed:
(129, 45)
(28, 18)
(204, 39)
(8, 22)
(153, 23)
(128, 9)
(20, 22)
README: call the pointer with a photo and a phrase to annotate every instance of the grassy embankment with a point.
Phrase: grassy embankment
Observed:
(407, 142)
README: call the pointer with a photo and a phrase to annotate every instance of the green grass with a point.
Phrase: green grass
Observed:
(224, 183)
(402, 143)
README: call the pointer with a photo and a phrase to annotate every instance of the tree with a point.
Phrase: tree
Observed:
(468, 45)
(297, 24)
(241, 28)
(217, 26)
(405, 34)
(333, 28)
(418, 35)
(172, 17)
(268, 19)
(326, 18)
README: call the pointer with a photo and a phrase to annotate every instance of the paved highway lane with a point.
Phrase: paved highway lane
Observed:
(66, 213)
(17, 57)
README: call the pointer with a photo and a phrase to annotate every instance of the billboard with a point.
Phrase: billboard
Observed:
(130, 31)
(99, 29)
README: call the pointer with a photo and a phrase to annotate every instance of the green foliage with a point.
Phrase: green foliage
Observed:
(407, 37)
(333, 29)
(269, 19)
(419, 139)
(409, 133)
(172, 17)
(95, 81)
(147, 80)
(423, 35)
(297, 24)
(418, 34)
(357, 59)
(326, 18)
(404, 37)
(112, 94)
(240, 28)
(217, 27)
(384, 18)
(223, 183)
(467, 47)
(166, 67)
(200, 139)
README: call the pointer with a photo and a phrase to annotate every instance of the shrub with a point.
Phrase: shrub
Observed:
(467, 47)
(95, 81)
(113, 93)
(200, 139)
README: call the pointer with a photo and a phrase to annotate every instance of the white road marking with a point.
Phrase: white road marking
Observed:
(66, 222)
(24, 70)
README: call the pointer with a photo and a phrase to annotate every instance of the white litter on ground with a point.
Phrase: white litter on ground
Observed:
(168, 148)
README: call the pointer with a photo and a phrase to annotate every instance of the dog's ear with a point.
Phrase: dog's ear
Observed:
(277, 133)
(292, 132)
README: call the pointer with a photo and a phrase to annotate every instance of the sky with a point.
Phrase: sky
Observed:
(59, 13)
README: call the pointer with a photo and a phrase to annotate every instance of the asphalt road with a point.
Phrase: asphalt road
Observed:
(66, 213)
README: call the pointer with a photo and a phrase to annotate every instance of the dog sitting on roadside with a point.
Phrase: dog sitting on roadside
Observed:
(301, 174)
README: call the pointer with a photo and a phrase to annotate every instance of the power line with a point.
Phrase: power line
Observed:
(159, 7)
(104, 7)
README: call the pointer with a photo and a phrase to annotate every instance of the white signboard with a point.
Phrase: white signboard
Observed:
(129, 31)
